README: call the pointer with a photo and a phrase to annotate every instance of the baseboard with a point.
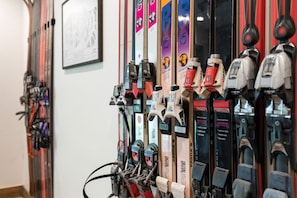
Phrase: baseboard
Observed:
(16, 191)
(26, 194)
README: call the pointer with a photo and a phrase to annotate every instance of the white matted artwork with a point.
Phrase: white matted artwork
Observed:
(81, 32)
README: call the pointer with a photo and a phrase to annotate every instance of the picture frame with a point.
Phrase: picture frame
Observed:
(81, 32)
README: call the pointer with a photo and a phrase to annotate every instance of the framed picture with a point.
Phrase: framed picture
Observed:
(81, 32)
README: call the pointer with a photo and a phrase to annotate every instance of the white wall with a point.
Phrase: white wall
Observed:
(13, 150)
(85, 126)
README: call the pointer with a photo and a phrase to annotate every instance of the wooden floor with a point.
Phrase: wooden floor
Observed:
(14, 192)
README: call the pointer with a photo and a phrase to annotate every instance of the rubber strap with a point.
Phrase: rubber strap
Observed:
(287, 8)
(246, 11)
(250, 11)
(253, 11)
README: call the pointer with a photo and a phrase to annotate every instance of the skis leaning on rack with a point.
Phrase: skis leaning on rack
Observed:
(37, 99)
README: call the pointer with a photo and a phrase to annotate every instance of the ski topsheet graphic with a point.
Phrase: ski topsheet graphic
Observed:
(167, 71)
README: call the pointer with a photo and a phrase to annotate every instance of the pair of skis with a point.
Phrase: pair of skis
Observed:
(215, 152)
(161, 95)
(239, 87)
(37, 83)
(139, 158)
(276, 83)
(213, 167)
(170, 107)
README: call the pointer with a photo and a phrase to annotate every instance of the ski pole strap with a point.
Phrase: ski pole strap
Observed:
(97, 169)
(98, 177)
(95, 178)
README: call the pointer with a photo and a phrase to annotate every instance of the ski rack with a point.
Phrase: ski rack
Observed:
(239, 87)
(275, 82)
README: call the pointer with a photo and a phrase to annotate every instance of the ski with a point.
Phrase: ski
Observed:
(224, 149)
(26, 99)
(153, 55)
(42, 108)
(239, 87)
(167, 173)
(183, 124)
(275, 83)
(202, 166)
(47, 100)
(34, 132)
(123, 97)
(153, 123)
